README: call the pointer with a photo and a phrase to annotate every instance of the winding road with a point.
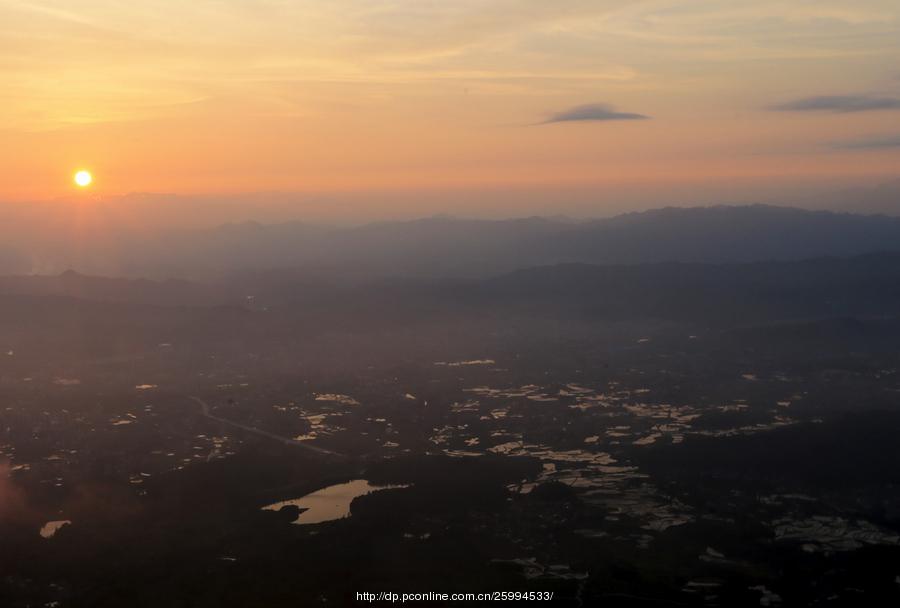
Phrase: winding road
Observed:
(204, 409)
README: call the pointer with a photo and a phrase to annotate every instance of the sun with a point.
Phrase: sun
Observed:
(83, 179)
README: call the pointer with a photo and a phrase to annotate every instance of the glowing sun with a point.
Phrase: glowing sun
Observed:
(83, 179)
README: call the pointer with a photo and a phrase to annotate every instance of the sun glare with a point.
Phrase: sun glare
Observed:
(83, 179)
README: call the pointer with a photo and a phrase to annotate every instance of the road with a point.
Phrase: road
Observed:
(204, 409)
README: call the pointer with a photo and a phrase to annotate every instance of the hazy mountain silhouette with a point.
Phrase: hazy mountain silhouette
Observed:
(157, 293)
(731, 294)
(447, 247)
(472, 248)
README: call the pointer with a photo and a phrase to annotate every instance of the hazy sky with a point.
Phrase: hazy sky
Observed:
(436, 96)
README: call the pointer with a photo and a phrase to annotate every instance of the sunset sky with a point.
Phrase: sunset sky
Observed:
(424, 96)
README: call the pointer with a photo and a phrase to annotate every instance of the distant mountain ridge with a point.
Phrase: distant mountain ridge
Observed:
(442, 247)
(731, 294)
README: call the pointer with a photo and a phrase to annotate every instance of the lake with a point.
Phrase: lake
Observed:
(330, 503)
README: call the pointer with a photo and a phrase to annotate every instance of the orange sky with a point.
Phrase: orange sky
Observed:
(208, 97)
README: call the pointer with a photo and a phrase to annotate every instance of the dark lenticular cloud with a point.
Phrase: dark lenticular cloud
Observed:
(839, 103)
(592, 112)
(871, 143)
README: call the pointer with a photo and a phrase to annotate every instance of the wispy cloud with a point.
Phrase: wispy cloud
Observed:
(50, 11)
(869, 143)
(840, 104)
(593, 112)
